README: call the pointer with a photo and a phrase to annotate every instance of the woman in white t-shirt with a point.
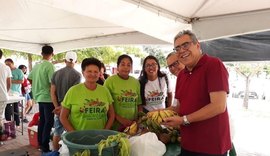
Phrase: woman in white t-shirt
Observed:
(156, 91)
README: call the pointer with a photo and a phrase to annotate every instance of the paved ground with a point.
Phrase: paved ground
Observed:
(251, 131)
(20, 145)
(251, 127)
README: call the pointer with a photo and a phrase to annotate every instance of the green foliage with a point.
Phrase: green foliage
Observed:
(11, 53)
(59, 57)
(8, 53)
(106, 54)
(249, 69)
(245, 68)
(157, 52)
(133, 50)
(36, 57)
(266, 69)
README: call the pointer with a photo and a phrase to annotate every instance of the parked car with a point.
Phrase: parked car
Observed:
(251, 95)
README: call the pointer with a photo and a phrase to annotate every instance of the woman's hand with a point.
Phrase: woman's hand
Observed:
(127, 122)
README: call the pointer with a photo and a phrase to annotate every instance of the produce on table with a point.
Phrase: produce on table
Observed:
(152, 121)
(132, 129)
(122, 141)
(83, 153)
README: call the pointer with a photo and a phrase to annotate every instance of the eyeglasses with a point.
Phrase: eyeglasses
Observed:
(184, 46)
(174, 64)
(154, 65)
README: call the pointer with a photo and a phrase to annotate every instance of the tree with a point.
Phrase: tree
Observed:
(157, 52)
(59, 58)
(266, 69)
(107, 55)
(27, 56)
(247, 70)
(133, 50)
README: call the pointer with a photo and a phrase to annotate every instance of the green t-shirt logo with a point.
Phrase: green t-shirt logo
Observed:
(93, 109)
(127, 98)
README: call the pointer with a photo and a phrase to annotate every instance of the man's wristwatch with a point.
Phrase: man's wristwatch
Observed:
(185, 121)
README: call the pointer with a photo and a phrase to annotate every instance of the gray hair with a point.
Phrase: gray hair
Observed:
(170, 54)
(186, 32)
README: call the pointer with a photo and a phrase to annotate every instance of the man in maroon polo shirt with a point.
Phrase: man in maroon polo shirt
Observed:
(201, 90)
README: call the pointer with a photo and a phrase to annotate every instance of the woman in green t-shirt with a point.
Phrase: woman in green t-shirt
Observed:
(125, 91)
(88, 105)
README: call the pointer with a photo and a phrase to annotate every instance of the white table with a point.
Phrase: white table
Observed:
(13, 99)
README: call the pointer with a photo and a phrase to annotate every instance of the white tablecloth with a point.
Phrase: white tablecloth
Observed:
(13, 99)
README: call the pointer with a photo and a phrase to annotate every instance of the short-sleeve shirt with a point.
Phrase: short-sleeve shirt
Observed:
(63, 79)
(17, 74)
(41, 76)
(88, 108)
(26, 87)
(155, 93)
(126, 95)
(211, 136)
(5, 73)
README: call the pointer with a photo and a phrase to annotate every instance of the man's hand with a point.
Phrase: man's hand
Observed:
(57, 110)
(174, 121)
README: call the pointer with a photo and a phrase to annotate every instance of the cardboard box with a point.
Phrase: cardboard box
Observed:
(33, 136)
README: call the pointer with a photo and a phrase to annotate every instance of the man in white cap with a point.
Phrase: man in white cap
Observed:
(62, 80)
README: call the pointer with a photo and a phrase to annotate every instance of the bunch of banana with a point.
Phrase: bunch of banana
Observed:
(153, 126)
(122, 141)
(132, 129)
(159, 115)
(141, 114)
(152, 120)
(174, 136)
(171, 135)
(86, 152)
(141, 117)
(153, 123)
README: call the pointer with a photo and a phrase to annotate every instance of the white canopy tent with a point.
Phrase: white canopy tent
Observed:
(26, 25)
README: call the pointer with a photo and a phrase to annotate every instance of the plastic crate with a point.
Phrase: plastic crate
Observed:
(78, 141)
(33, 136)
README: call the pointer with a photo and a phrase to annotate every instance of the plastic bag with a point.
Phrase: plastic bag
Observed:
(147, 145)
(63, 149)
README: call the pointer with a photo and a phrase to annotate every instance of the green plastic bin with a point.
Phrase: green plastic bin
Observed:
(88, 139)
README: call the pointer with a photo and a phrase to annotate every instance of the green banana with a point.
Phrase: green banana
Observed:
(157, 128)
(141, 114)
(77, 154)
(86, 153)
(121, 139)
(101, 145)
(148, 122)
(173, 139)
(125, 147)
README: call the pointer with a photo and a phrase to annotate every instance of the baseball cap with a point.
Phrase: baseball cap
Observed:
(71, 56)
